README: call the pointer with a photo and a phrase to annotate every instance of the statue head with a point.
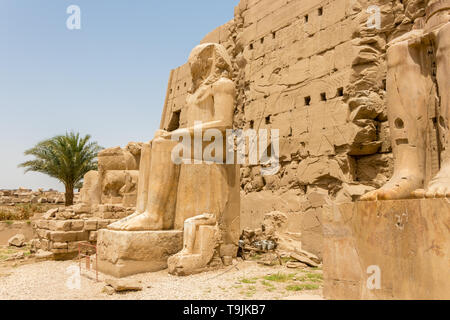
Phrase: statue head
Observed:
(209, 62)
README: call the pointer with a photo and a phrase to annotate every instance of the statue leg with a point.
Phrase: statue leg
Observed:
(439, 186)
(162, 179)
(407, 110)
(142, 191)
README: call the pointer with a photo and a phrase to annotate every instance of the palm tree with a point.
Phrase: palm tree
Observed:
(64, 157)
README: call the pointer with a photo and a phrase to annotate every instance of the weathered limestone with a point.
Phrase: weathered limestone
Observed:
(319, 79)
(27, 196)
(198, 257)
(115, 182)
(124, 253)
(62, 237)
(400, 249)
(418, 85)
(201, 198)
(408, 240)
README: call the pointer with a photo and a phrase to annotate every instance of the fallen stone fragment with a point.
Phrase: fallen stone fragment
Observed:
(17, 241)
(304, 259)
(120, 285)
(108, 290)
(295, 265)
(310, 256)
(43, 255)
(16, 256)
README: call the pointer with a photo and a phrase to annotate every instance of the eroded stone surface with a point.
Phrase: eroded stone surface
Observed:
(123, 253)
(408, 240)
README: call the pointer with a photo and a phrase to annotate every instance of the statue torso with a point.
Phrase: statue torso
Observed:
(200, 105)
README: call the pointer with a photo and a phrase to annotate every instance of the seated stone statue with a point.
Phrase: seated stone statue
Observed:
(417, 62)
(194, 193)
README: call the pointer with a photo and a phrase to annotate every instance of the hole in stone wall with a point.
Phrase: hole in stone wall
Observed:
(262, 40)
(307, 101)
(251, 46)
(306, 18)
(185, 84)
(268, 120)
(174, 123)
(384, 84)
(340, 92)
(171, 90)
(252, 124)
(399, 123)
(274, 34)
(320, 11)
(323, 96)
(401, 141)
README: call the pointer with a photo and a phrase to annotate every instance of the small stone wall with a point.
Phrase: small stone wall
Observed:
(23, 196)
(62, 230)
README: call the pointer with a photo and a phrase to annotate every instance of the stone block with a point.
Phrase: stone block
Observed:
(406, 241)
(124, 253)
(77, 225)
(69, 236)
(43, 234)
(59, 225)
(59, 245)
(42, 224)
(90, 225)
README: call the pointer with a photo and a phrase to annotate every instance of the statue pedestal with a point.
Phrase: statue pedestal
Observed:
(124, 253)
(402, 245)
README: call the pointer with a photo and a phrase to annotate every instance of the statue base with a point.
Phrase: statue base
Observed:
(125, 253)
(387, 250)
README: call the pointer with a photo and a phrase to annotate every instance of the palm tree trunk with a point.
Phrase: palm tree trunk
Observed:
(69, 195)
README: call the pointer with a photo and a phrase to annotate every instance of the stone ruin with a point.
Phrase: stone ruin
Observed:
(107, 195)
(321, 74)
(28, 196)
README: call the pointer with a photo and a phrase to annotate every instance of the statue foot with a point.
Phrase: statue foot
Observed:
(399, 187)
(184, 252)
(141, 222)
(116, 225)
(439, 186)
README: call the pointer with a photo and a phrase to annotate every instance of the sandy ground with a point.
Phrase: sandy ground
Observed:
(246, 280)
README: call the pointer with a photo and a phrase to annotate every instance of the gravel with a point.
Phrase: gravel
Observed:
(51, 280)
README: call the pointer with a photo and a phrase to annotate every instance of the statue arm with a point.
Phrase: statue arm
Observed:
(224, 95)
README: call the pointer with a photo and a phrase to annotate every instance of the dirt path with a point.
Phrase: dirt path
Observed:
(246, 280)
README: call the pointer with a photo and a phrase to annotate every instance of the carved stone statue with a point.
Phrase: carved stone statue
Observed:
(115, 180)
(418, 70)
(200, 198)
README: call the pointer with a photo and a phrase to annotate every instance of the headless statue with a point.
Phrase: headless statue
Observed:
(408, 92)
(188, 195)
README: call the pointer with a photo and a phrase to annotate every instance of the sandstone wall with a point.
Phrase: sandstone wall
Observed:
(313, 70)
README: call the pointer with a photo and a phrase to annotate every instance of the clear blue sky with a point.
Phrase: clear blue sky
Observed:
(108, 79)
